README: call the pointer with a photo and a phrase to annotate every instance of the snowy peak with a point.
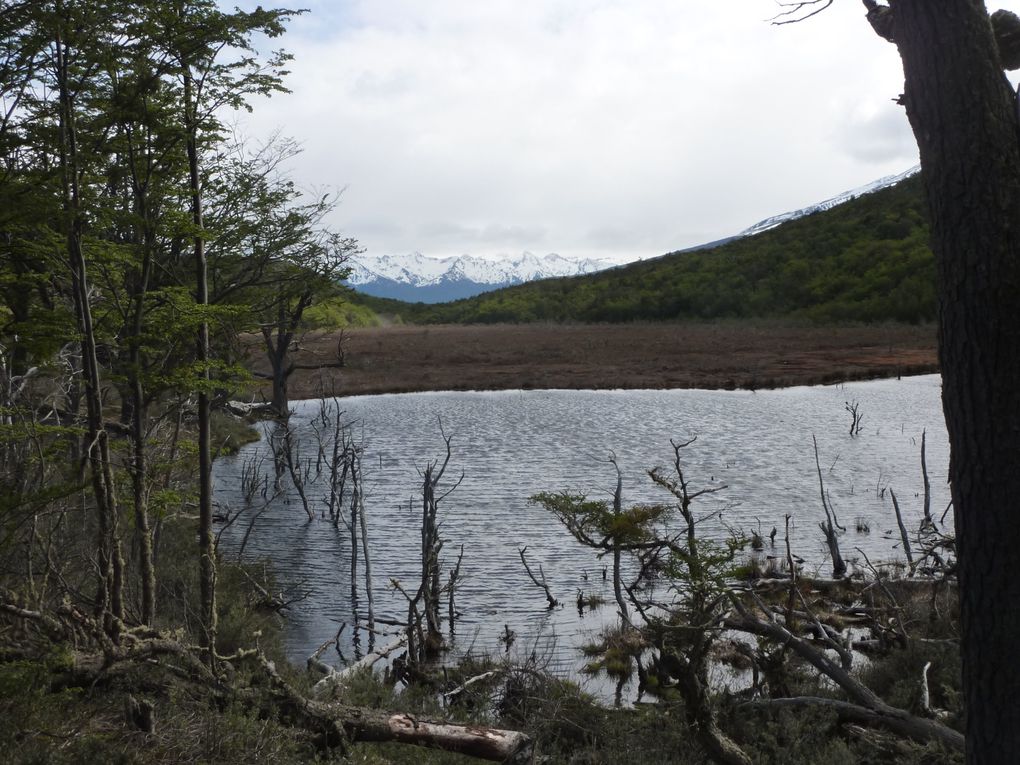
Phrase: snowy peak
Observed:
(846, 196)
(430, 280)
(417, 270)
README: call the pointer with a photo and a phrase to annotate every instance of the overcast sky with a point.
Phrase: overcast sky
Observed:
(605, 128)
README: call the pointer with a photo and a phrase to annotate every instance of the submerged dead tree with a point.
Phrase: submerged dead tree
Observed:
(830, 524)
(424, 627)
(339, 457)
(538, 582)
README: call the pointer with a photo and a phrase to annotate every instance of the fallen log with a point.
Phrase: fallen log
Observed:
(340, 722)
(368, 660)
(477, 741)
(333, 723)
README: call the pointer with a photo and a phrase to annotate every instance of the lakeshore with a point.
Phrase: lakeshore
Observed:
(726, 355)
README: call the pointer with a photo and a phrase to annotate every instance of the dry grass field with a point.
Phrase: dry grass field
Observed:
(722, 355)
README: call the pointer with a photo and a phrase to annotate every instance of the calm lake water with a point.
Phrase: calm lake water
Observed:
(512, 444)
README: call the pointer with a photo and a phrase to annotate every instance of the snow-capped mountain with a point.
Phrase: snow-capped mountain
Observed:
(846, 196)
(418, 278)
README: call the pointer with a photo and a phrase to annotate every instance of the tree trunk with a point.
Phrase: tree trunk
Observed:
(111, 564)
(139, 407)
(278, 339)
(964, 115)
(206, 547)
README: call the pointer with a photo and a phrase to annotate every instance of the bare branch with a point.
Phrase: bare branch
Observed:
(797, 12)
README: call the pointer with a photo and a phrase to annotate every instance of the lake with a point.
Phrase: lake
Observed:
(510, 445)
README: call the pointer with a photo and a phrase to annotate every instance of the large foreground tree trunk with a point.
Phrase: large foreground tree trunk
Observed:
(964, 115)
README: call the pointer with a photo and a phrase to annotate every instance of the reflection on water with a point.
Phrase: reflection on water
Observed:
(512, 444)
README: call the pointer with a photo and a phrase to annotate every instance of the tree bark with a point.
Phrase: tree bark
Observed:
(111, 563)
(964, 115)
(206, 546)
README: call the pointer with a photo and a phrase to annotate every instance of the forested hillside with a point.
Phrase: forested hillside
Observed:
(866, 260)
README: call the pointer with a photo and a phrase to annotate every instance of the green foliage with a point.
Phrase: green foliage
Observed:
(596, 520)
(866, 260)
(340, 312)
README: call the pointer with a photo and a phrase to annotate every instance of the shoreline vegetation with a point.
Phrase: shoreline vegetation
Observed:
(722, 355)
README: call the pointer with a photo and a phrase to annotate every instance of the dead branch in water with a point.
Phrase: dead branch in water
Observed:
(829, 526)
(542, 584)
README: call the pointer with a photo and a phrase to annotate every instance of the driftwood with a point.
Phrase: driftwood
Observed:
(451, 695)
(367, 661)
(341, 722)
(865, 707)
(246, 409)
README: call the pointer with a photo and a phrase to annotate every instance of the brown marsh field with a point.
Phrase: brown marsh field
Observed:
(400, 359)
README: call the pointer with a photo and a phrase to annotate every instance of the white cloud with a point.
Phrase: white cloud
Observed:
(618, 128)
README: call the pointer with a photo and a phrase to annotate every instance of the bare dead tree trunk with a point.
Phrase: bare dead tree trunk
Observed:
(927, 483)
(451, 590)
(829, 526)
(429, 593)
(538, 583)
(363, 523)
(617, 577)
(903, 531)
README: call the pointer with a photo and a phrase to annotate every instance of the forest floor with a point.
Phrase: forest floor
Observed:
(401, 359)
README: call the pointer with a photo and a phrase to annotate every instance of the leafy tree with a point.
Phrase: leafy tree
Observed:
(202, 41)
(271, 253)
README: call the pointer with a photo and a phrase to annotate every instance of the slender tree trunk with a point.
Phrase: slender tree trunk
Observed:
(368, 560)
(964, 115)
(617, 573)
(206, 546)
(110, 600)
(139, 468)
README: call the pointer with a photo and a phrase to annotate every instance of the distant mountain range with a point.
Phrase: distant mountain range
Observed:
(416, 278)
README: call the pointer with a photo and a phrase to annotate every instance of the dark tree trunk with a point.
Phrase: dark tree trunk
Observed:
(964, 116)
(206, 545)
(109, 601)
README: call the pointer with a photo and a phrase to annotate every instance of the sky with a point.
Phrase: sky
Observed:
(617, 129)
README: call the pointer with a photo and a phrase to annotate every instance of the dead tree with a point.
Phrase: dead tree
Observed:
(287, 458)
(927, 483)
(856, 416)
(683, 629)
(903, 531)
(424, 627)
(617, 511)
(538, 583)
(828, 527)
(339, 457)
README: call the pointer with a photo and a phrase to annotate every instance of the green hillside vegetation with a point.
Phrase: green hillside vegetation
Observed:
(338, 312)
(866, 260)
